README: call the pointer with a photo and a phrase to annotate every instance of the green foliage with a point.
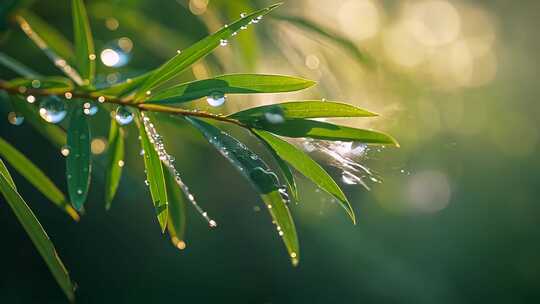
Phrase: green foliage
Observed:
(36, 232)
(155, 91)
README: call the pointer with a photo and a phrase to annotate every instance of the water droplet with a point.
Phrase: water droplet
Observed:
(178, 52)
(284, 195)
(234, 34)
(117, 53)
(36, 84)
(216, 99)
(68, 95)
(243, 15)
(243, 27)
(30, 98)
(146, 182)
(123, 115)
(90, 108)
(65, 151)
(121, 163)
(212, 223)
(223, 42)
(52, 109)
(274, 118)
(101, 99)
(15, 119)
(141, 153)
(79, 191)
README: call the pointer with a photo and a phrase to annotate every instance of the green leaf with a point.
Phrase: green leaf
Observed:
(123, 88)
(5, 172)
(154, 176)
(176, 221)
(36, 233)
(84, 43)
(302, 109)
(53, 84)
(323, 130)
(55, 134)
(36, 177)
(187, 57)
(230, 84)
(16, 66)
(326, 33)
(51, 36)
(78, 165)
(261, 177)
(115, 162)
(308, 167)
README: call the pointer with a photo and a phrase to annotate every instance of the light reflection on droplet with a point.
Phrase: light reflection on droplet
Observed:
(123, 115)
(52, 109)
(216, 99)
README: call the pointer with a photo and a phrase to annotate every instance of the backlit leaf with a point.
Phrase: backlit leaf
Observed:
(308, 167)
(230, 84)
(78, 165)
(84, 43)
(115, 162)
(187, 57)
(53, 84)
(176, 221)
(261, 177)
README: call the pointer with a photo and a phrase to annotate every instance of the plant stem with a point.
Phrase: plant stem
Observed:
(120, 101)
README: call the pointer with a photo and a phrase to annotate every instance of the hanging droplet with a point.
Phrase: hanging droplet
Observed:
(15, 119)
(123, 115)
(65, 151)
(284, 195)
(89, 108)
(31, 99)
(223, 42)
(52, 109)
(216, 99)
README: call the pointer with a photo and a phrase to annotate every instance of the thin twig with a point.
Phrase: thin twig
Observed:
(126, 102)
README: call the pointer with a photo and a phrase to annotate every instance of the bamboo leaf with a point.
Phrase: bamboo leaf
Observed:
(53, 84)
(322, 130)
(122, 89)
(36, 233)
(55, 134)
(115, 162)
(36, 177)
(326, 33)
(78, 165)
(186, 58)
(52, 37)
(230, 84)
(176, 220)
(5, 172)
(308, 167)
(302, 109)
(154, 176)
(84, 43)
(260, 176)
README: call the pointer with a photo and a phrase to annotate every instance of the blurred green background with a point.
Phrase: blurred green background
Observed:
(454, 220)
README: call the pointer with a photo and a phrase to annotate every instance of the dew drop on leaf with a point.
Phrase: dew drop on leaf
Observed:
(123, 116)
(216, 99)
(15, 119)
(223, 42)
(52, 109)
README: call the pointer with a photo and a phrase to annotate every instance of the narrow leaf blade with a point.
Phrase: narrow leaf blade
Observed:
(115, 162)
(84, 43)
(302, 109)
(78, 165)
(53, 84)
(197, 51)
(261, 177)
(230, 84)
(36, 177)
(154, 176)
(176, 221)
(297, 128)
(37, 234)
(308, 167)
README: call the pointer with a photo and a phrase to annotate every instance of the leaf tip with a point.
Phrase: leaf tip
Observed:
(178, 243)
(72, 213)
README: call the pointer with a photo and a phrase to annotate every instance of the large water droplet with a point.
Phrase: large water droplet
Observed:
(216, 99)
(15, 119)
(89, 108)
(117, 53)
(123, 115)
(65, 151)
(52, 109)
